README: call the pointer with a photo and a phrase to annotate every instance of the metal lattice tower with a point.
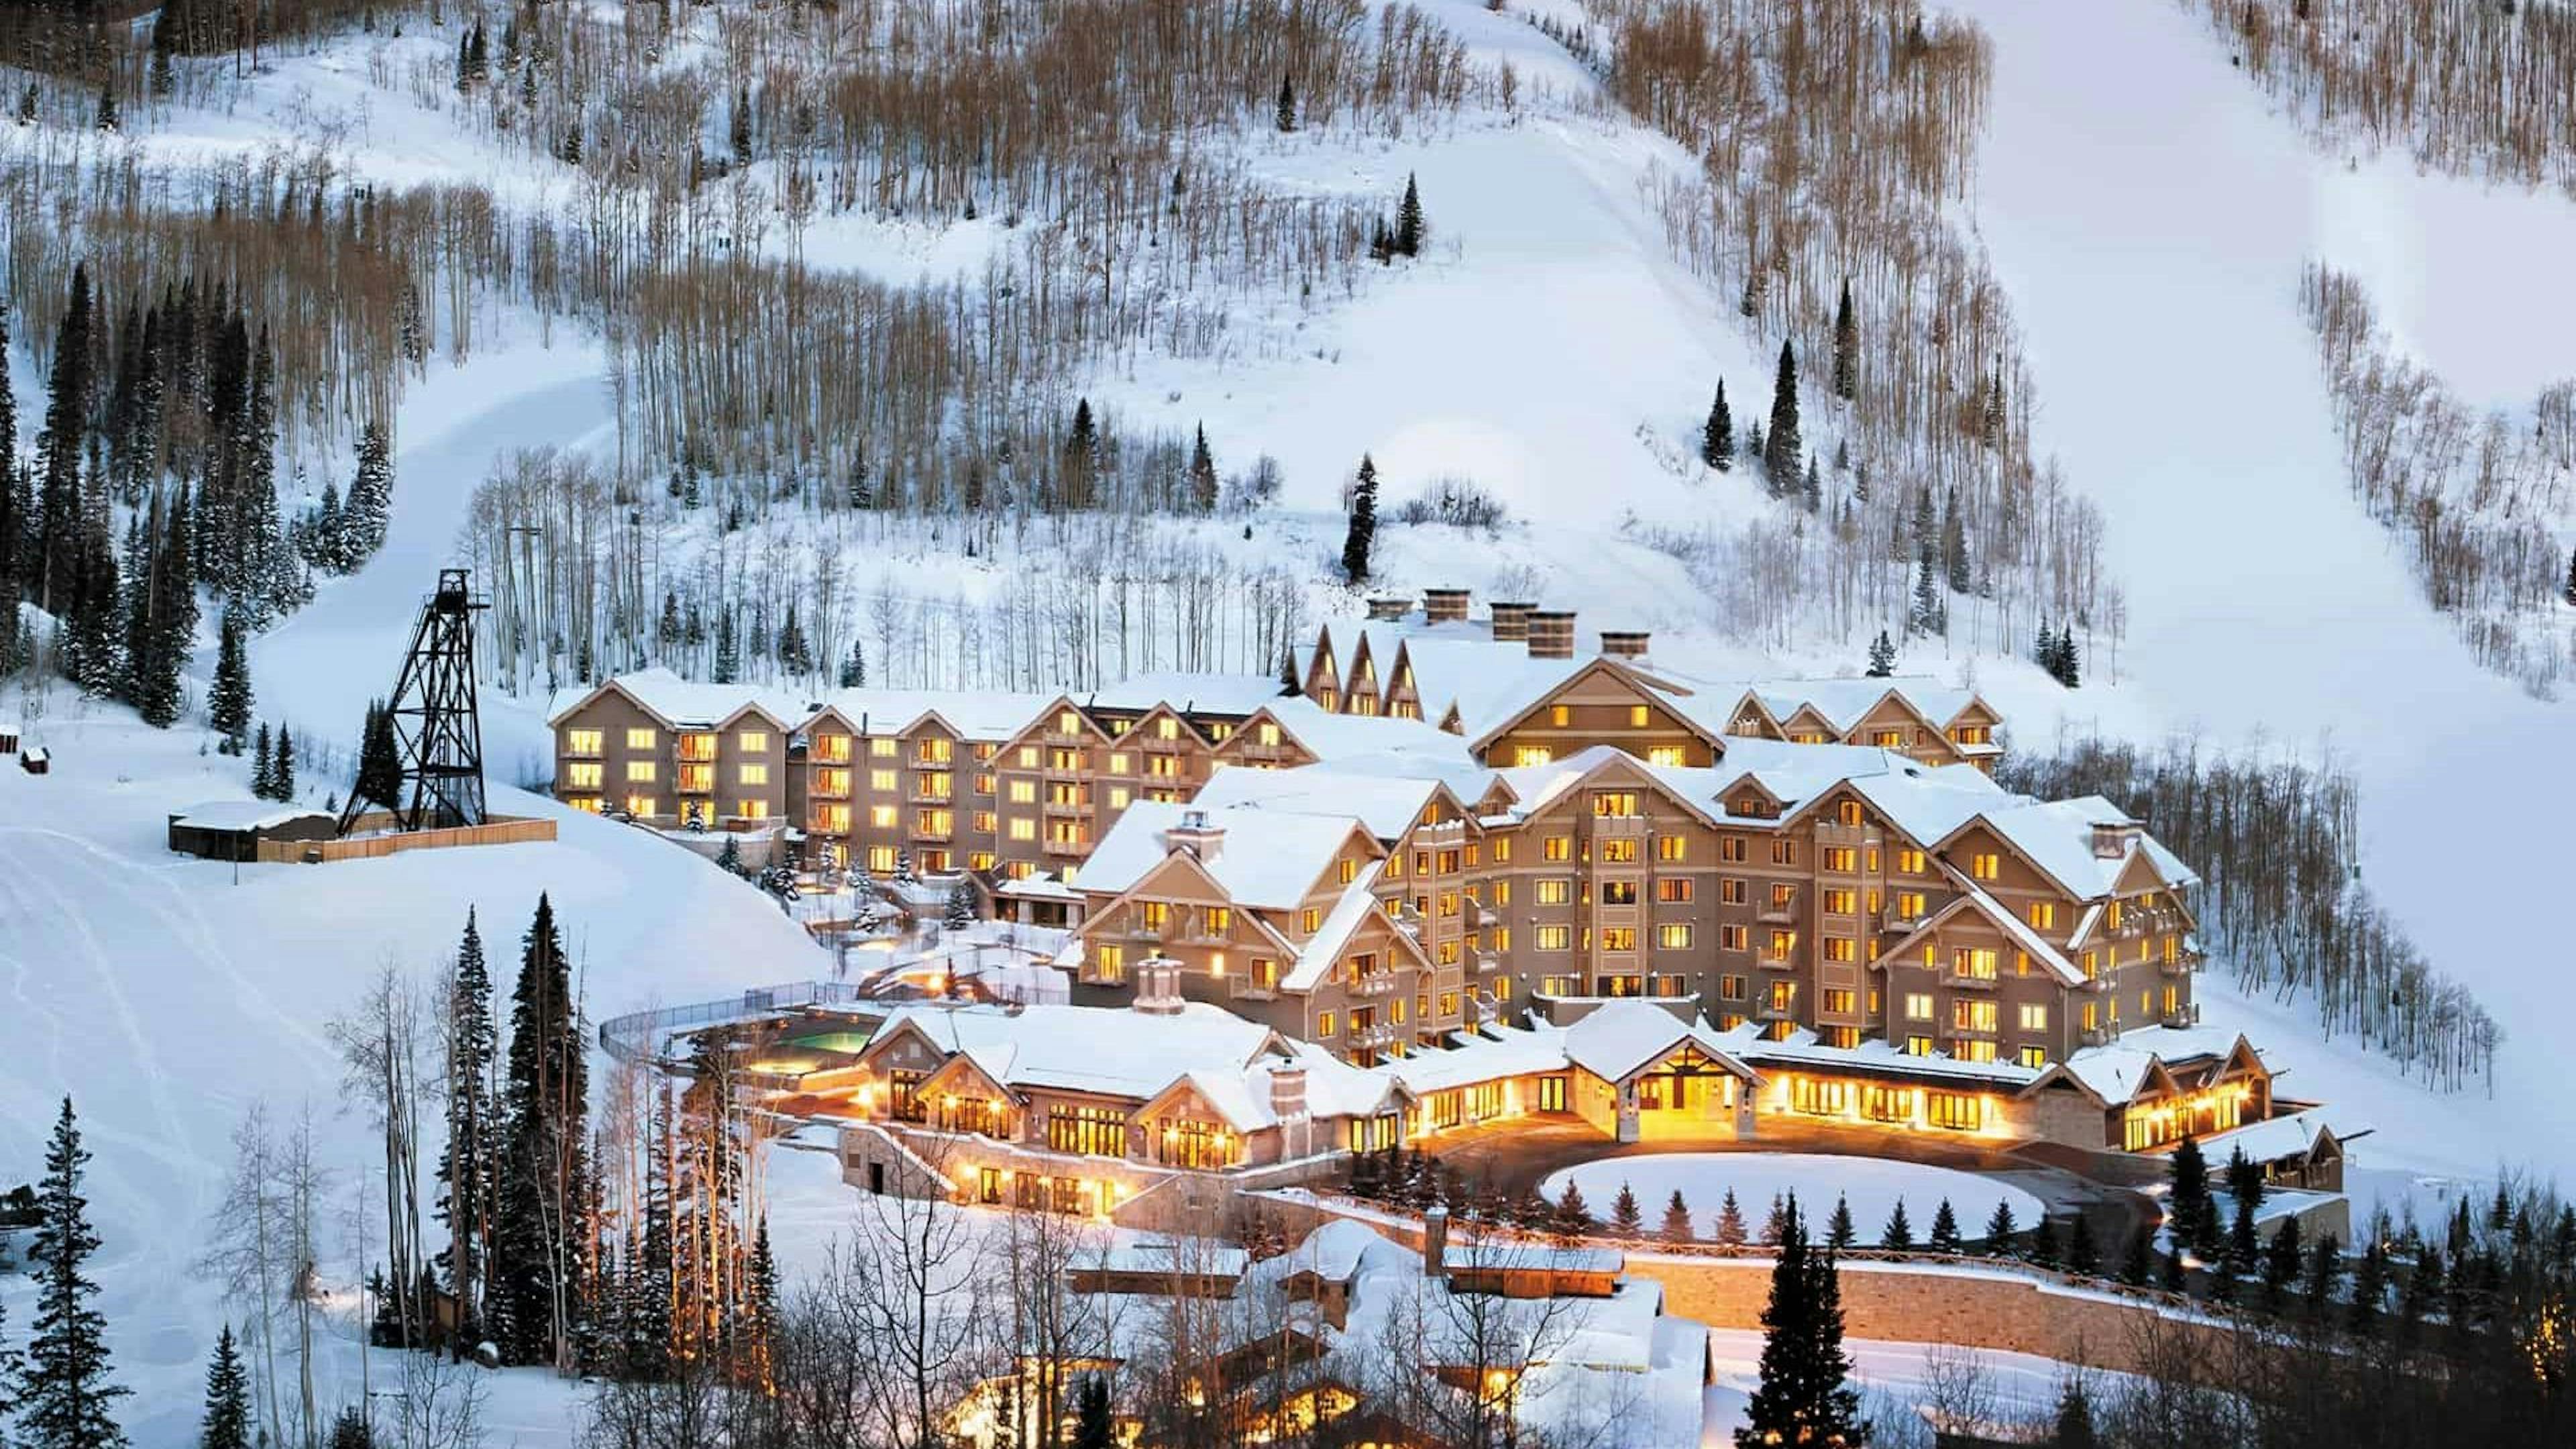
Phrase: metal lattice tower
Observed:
(437, 733)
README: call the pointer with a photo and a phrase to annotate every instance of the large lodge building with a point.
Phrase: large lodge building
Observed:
(1454, 846)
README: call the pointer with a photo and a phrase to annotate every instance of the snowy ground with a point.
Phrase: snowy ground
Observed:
(1872, 1188)
(2150, 219)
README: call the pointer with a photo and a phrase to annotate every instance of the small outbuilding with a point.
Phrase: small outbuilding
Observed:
(37, 760)
(233, 829)
(8, 739)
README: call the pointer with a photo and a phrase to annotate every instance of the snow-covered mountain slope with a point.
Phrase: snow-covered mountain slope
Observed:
(2151, 218)
(165, 996)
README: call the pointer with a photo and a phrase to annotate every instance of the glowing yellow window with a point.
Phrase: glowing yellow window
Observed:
(753, 774)
(1268, 734)
(882, 747)
(752, 742)
(1120, 764)
(2043, 915)
(1909, 862)
(1349, 871)
(1532, 754)
(882, 781)
(881, 817)
(1167, 728)
(640, 772)
(1671, 756)
(581, 742)
(1023, 828)
(639, 739)
(1119, 795)
(751, 809)
(1310, 920)
(1637, 716)
(1324, 1023)
(1066, 722)
(1557, 847)
(1672, 847)
(641, 805)
(1674, 937)
(1560, 715)
(1985, 865)
(579, 776)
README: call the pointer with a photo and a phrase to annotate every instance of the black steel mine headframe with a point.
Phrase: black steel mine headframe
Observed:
(437, 734)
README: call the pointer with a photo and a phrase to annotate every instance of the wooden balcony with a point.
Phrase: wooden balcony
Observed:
(1969, 981)
(1376, 983)
(1067, 847)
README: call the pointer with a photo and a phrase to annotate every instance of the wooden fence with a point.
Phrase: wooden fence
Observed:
(502, 830)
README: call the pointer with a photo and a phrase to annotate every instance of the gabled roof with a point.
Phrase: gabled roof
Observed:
(2056, 838)
(1226, 695)
(1540, 786)
(1388, 804)
(683, 704)
(2118, 1073)
(1618, 1038)
(966, 714)
(1330, 736)
(1058, 1047)
(1516, 694)
(1341, 925)
(1270, 858)
(1973, 899)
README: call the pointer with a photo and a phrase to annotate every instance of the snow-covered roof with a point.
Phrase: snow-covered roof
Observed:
(2058, 836)
(1330, 736)
(1535, 1257)
(684, 704)
(1164, 1255)
(1042, 886)
(1213, 694)
(1339, 1248)
(1269, 858)
(2292, 1135)
(1315, 959)
(2115, 1070)
(1803, 1048)
(974, 714)
(1618, 1037)
(243, 815)
(1387, 804)
(1974, 899)
(1488, 1054)
(1060, 1046)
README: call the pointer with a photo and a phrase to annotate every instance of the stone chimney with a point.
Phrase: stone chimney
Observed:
(2112, 841)
(1435, 1241)
(1551, 634)
(1158, 986)
(1288, 1093)
(1511, 622)
(1389, 606)
(1624, 643)
(1444, 606)
(1197, 835)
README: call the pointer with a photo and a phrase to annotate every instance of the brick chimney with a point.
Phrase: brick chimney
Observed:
(1197, 835)
(1435, 1241)
(1444, 606)
(1389, 606)
(1511, 622)
(1158, 987)
(1624, 643)
(1551, 634)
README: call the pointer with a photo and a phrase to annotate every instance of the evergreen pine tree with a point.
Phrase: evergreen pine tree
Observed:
(1627, 1219)
(1811, 493)
(2369, 1289)
(1775, 1224)
(228, 703)
(2043, 1242)
(1572, 1217)
(2324, 1275)
(1081, 456)
(2571, 569)
(1730, 1222)
(1717, 441)
(1362, 534)
(466, 1164)
(1899, 1233)
(58, 450)
(2423, 1293)
(65, 1394)
(2001, 1231)
(1410, 230)
(2281, 1260)
(106, 120)
(263, 775)
(2083, 1247)
(1882, 656)
(1782, 447)
(1677, 1220)
(854, 670)
(1945, 1229)
(350, 1430)
(728, 666)
(281, 769)
(1202, 474)
(2074, 1426)
(961, 905)
(2245, 1196)
(370, 504)
(1803, 1395)
(2068, 672)
(2139, 1265)
(795, 656)
(1839, 1233)
(1092, 1426)
(729, 858)
(1846, 347)
(1286, 116)
(2193, 1211)
(379, 759)
(541, 1168)
(227, 1423)
(1928, 615)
